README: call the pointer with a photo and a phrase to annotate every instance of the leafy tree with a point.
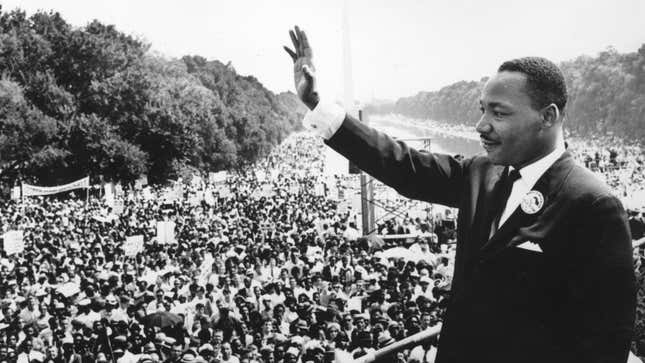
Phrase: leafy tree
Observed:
(93, 100)
(27, 136)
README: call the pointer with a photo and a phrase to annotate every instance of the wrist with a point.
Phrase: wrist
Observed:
(312, 101)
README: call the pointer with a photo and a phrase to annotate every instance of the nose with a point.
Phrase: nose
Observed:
(483, 125)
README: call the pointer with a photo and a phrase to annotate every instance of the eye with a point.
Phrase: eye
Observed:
(499, 114)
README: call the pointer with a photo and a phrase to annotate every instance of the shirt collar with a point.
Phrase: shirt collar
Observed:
(532, 172)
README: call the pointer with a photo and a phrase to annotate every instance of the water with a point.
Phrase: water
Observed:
(442, 141)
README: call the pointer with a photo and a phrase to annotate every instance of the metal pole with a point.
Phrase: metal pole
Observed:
(367, 195)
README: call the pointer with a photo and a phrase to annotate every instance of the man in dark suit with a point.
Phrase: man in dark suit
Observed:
(543, 269)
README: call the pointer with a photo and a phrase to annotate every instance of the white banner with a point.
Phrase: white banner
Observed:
(133, 245)
(13, 242)
(31, 190)
(218, 177)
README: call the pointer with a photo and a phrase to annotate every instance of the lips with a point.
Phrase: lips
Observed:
(488, 143)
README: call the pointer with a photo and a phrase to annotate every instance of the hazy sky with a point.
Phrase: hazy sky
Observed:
(398, 47)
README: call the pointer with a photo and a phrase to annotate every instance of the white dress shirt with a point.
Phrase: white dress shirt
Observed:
(529, 176)
(325, 119)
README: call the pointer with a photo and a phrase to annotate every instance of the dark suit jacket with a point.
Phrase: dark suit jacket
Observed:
(574, 302)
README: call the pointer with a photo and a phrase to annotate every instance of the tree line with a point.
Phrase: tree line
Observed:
(606, 97)
(91, 100)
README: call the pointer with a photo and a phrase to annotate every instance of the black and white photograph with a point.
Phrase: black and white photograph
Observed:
(342, 181)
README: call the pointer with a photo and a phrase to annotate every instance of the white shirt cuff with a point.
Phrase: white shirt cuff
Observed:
(324, 120)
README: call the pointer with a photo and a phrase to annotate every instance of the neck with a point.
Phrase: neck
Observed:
(558, 142)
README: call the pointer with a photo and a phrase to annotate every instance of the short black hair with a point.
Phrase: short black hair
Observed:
(544, 80)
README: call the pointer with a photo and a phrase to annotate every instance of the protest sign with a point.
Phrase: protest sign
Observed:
(141, 182)
(208, 197)
(319, 190)
(118, 207)
(196, 181)
(266, 191)
(13, 242)
(133, 245)
(219, 177)
(165, 232)
(225, 192)
(355, 303)
(109, 194)
(147, 194)
(15, 193)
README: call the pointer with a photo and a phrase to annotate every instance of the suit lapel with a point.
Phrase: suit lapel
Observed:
(548, 185)
(485, 202)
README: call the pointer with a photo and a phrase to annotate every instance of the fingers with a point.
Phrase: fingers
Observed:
(294, 39)
(306, 49)
(291, 53)
(300, 44)
(299, 49)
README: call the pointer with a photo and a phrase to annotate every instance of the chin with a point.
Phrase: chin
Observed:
(497, 160)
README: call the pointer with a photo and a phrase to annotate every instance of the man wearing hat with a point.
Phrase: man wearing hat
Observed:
(291, 355)
(227, 323)
(188, 357)
(207, 352)
(69, 354)
(361, 323)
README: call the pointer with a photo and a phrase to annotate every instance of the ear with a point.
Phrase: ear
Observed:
(550, 115)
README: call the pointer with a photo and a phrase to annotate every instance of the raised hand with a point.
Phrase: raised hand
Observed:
(303, 68)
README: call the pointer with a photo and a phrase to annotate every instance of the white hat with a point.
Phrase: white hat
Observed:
(293, 350)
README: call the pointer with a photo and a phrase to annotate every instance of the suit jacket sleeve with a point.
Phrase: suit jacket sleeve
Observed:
(602, 283)
(415, 174)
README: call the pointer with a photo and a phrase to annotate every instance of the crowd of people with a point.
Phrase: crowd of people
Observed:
(266, 266)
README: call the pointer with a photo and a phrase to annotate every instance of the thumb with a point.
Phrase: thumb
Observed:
(309, 73)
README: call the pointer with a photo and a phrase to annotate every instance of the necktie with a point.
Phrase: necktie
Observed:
(503, 191)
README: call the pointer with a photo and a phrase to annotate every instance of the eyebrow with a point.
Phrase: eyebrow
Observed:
(494, 104)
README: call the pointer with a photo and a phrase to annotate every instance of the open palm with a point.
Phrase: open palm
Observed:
(303, 68)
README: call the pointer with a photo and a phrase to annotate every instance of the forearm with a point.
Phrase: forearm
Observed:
(419, 175)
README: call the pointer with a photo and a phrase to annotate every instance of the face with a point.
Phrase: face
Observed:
(176, 351)
(511, 131)
(226, 350)
(52, 352)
